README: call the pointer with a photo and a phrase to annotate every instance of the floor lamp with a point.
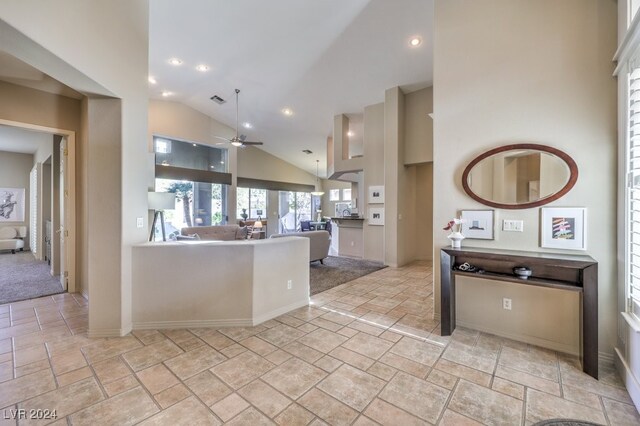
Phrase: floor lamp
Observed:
(160, 201)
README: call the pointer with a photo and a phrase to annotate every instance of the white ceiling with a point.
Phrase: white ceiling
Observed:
(319, 58)
(14, 139)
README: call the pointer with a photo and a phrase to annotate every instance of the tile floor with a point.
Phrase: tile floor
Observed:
(364, 353)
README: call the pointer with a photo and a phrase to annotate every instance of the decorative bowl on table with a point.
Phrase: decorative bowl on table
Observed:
(522, 272)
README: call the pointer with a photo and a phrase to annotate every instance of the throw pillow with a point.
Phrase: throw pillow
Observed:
(7, 233)
(241, 233)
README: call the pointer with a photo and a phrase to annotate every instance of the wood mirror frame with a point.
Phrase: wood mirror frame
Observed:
(573, 176)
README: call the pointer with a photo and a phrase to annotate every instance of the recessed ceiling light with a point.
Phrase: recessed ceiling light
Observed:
(202, 68)
(222, 162)
(213, 167)
(219, 143)
(350, 133)
(287, 111)
(247, 125)
(166, 93)
(152, 79)
(195, 144)
(175, 61)
(415, 42)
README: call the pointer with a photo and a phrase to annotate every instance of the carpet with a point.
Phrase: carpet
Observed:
(338, 270)
(564, 422)
(22, 277)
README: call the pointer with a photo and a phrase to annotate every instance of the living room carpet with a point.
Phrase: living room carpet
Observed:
(338, 270)
(22, 277)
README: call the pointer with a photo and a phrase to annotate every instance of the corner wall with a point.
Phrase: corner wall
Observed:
(503, 77)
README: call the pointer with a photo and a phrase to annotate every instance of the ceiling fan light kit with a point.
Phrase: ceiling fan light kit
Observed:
(238, 140)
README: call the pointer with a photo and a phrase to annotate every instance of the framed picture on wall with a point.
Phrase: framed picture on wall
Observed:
(478, 224)
(564, 228)
(376, 194)
(12, 205)
(376, 216)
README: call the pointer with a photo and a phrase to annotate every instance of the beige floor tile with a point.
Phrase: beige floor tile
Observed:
(111, 370)
(278, 357)
(157, 378)
(152, 354)
(576, 378)
(74, 376)
(307, 313)
(215, 339)
(258, 345)
(5, 346)
(508, 388)
(28, 355)
(470, 357)
(240, 333)
(388, 415)
(127, 408)
(328, 364)
(367, 328)
(419, 351)
(451, 418)
(336, 317)
(341, 383)
(621, 414)
(66, 400)
(294, 377)
(581, 396)
(233, 350)
(121, 385)
(323, 340)
(173, 395)
(327, 408)
(464, 372)
(250, 416)
(25, 387)
(529, 363)
(416, 396)
(208, 387)
(347, 331)
(242, 369)
(265, 398)
(290, 321)
(32, 368)
(528, 380)
(329, 325)
(485, 405)
(148, 337)
(281, 335)
(406, 365)
(442, 379)
(367, 345)
(230, 407)
(6, 371)
(307, 327)
(185, 413)
(109, 348)
(294, 415)
(193, 362)
(303, 352)
(68, 361)
(542, 406)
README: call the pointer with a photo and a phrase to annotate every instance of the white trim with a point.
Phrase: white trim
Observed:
(632, 385)
(280, 311)
(633, 323)
(629, 44)
(160, 325)
(108, 332)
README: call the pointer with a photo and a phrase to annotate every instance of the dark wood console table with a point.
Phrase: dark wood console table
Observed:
(566, 272)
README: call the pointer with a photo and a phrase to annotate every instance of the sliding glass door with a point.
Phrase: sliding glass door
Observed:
(294, 207)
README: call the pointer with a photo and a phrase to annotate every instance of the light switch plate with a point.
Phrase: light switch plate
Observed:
(139, 222)
(513, 225)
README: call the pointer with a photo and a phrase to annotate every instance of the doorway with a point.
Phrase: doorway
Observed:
(49, 222)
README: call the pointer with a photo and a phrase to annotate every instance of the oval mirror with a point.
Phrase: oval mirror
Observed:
(519, 176)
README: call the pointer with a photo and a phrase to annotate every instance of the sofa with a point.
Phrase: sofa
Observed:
(11, 238)
(217, 232)
(319, 243)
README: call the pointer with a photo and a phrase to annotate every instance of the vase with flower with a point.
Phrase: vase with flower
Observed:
(456, 237)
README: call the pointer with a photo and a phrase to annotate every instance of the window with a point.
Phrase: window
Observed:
(252, 202)
(294, 207)
(334, 195)
(346, 194)
(633, 195)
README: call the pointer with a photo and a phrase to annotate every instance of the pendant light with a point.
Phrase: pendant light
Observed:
(317, 193)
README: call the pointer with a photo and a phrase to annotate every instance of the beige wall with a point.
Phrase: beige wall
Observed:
(423, 232)
(373, 235)
(101, 62)
(329, 207)
(418, 126)
(258, 164)
(519, 81)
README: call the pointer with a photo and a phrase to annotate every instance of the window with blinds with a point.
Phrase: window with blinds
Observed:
(633, 194)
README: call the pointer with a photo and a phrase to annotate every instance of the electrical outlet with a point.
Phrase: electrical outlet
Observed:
(139, 222)
(289, 285)
(353, 244)
(506, 304)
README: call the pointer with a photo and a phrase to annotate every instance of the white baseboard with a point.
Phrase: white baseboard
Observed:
(160, 325)
(108, 332)
(277, 312)
(633, 387)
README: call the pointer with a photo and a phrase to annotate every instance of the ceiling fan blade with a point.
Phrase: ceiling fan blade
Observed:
(251, 143)
(224, 139)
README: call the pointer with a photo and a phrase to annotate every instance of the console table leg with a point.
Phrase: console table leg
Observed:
(447, 295)
(590, 321)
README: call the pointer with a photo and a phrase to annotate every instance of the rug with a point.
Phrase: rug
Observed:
(564, 422)
(22, 277)
(338, 270)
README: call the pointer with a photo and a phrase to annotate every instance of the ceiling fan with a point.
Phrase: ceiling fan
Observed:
(238, 140)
